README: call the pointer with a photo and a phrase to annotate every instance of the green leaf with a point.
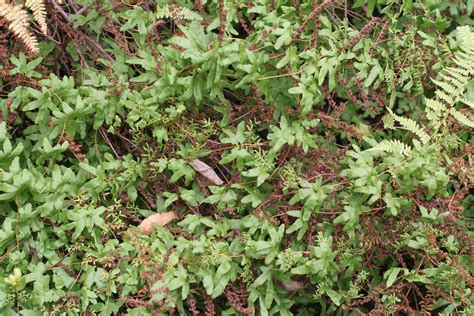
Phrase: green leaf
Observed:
(208, 283)
(391, 275)
(334, 296)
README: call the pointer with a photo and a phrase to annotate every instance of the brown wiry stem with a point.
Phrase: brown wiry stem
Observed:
(317, 25)
(313, 14)
(222, 18)
(363, 33)
(93, 43)
(200, 6)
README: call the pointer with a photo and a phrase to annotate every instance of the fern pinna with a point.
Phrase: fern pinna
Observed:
(450, 91)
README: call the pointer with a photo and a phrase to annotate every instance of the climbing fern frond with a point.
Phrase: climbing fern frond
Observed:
(412, 126)
(17, 22)
(393, 146)
(39, 13)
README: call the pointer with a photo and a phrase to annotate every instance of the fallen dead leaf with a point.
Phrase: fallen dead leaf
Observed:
(147, 225)
(205, 171)
(293, 286)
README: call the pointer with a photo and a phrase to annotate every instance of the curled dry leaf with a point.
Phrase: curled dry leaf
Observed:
(205, 171)
(292, 286)
(147, 225)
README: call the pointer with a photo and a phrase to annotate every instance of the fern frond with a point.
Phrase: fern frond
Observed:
(450, 89)
(461, 118)
(163, 12)
(463, 60)
(412, 126)
(39, 13)
(468, 103)
(466, 36)
(458, 73)
(393, 146)
(177, 13)
(435, 110)
(388, 121)
(436, 106)
(445, 97)
(467, 44)
(190, 15)
(454, 83)
(18, 22)
(458, 78)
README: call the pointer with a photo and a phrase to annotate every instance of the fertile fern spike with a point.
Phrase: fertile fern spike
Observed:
(412, 126)
(18, 22)
(39, 13)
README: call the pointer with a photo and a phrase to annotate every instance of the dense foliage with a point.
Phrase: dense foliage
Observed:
(341, 130)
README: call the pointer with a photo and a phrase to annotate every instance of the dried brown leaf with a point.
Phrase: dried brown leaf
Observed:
(206, 171)
(147, 225)
(293, 286)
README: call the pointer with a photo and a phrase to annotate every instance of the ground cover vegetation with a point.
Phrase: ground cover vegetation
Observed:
(234, 157)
